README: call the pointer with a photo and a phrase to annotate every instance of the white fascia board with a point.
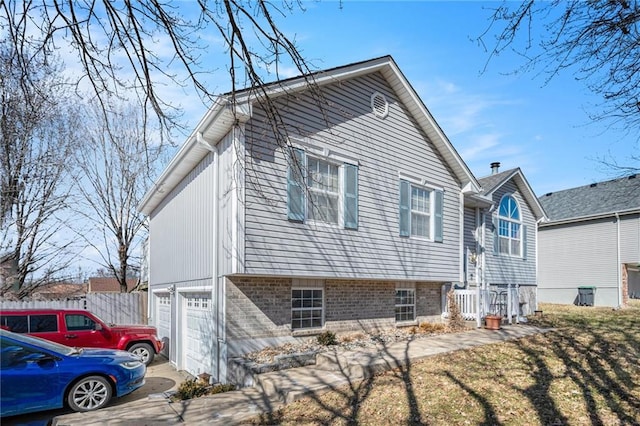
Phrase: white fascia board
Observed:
(298, 84)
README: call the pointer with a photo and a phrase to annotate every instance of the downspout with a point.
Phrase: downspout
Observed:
(618, 261)
(479, 255)
(536, 255)
(461, 276)
(214, 249)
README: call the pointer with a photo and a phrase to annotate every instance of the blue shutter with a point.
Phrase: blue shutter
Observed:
(438, 238)
(524, 242)
(496, 236)
(350, 196)
(295, 186)
(405, 211)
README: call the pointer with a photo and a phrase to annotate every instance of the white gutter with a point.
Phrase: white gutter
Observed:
(538, 222)
(479, 254)
(461, 276)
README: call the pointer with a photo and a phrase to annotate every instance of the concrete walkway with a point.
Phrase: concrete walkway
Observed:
(273, 390)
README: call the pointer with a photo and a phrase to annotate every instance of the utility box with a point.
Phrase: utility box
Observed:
(586, 296)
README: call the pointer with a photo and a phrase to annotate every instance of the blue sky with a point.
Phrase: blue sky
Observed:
(488, 116)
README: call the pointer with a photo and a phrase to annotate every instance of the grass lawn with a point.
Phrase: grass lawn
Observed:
(587, 372)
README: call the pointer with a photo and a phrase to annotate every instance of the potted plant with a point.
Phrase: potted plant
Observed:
(492, 321)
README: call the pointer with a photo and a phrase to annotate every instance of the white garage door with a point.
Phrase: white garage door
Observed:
(163, 319)
(198, 338)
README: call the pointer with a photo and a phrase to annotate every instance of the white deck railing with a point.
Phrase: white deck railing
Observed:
(475, 304)
(467, 301)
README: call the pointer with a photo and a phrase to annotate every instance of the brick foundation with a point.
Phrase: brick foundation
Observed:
(258, 309)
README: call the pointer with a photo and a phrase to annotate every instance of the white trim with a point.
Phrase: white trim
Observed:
(321, 150)
(395, 305)
(510, 221)
(419, 181)
(308, 286)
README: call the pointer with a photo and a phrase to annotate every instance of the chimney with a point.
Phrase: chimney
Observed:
(495, 167)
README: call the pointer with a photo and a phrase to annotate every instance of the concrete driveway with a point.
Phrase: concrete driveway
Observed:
(161, 377)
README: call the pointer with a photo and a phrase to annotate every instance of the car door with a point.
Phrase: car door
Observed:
(29, 379)
(81, 332)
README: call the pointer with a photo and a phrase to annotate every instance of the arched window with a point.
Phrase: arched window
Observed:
(509, 227)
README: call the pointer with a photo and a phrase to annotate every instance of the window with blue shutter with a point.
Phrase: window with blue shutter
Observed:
(524, 242)
(350, 196)
(296, 186)
(420, 211)
(315, 192)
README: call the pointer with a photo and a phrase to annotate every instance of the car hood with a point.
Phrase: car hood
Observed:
(113, 354)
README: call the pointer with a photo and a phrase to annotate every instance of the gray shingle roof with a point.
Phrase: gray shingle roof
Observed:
(611, 196)
(490, 182)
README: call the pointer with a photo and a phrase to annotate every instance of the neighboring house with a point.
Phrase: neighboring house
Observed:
(355, 223)
(500, 240)
(109, 285)
(591, 240)
(59, 291)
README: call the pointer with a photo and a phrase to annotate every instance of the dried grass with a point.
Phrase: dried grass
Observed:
(585, 372)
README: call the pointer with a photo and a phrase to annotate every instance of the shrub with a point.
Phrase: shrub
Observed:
(195, 388)
(191, 389)
(456, 322)
(352, 337)
(220, 388)
(429, 327)
(327, 338)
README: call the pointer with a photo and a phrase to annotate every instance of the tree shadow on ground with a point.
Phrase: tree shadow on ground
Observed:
(594, 364)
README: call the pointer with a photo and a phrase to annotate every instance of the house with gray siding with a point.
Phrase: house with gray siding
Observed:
(592, 240)
(346, 216)
(500, 242)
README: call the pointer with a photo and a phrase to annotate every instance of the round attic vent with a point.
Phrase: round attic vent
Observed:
(379, 105)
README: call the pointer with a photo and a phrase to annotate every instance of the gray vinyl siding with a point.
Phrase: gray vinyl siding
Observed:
(503, 269)
(579, 254)
(469, 228)
(383, 148)
(630, 239)
(181, 230)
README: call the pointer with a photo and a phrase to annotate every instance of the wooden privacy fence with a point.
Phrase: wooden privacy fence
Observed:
(116, 308)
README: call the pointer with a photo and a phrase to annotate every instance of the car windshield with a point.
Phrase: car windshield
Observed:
(44, 344)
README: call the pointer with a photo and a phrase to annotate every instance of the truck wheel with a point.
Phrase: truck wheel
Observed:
(144, 351)
(90, 393)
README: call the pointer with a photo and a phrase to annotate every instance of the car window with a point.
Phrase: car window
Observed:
(43, 323)
(11, 351)
(15, 323)
(25, 339)
(77, 322)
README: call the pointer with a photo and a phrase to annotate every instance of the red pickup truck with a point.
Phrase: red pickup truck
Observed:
(81, 328)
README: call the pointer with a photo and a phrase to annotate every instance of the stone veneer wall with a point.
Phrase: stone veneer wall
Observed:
(258, 309)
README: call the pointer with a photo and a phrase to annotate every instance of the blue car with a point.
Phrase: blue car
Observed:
(37, 374)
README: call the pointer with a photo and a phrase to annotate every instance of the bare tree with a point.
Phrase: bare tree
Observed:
(36, 140)
(598, 41)
(117, 43)
(116, 164)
